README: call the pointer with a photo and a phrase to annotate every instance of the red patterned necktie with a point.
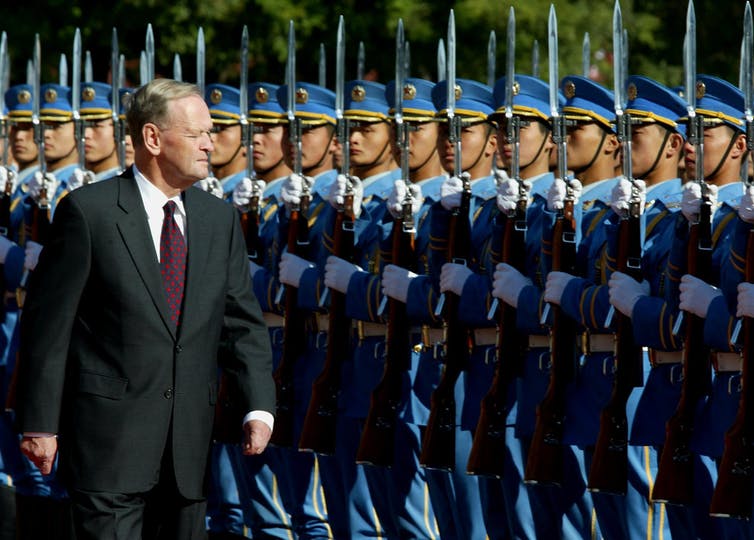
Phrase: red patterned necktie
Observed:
(172, 262)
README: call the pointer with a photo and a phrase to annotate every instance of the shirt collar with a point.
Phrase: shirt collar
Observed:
(154, 199)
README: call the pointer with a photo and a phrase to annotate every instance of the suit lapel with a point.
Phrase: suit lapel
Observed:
(199, 234)
(138, 240)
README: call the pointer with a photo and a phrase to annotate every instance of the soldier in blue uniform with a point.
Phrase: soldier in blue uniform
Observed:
(315, 107)
(100, 144)
(721, 106)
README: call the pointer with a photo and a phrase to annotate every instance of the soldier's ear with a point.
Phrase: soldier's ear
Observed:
(739, 148)
(152, 138)
(674, 146)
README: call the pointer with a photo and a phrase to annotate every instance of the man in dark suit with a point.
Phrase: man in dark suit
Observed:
(118, 362)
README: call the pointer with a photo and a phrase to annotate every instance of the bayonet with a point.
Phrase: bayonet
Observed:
(294, 124)
(143, 69)
(246, 127)
(63, 70)
(122, 71)
(177, 67)
(39, 136)
(407, 61)
(78, 125)
(149, 49)
(119, 132)
(586, 56)
(88, 68)
(30, 72)
(491, 57)
(3, 87)
(535, 59)
(322, 66)
(360, 61)
(442, 69)
(200, 60)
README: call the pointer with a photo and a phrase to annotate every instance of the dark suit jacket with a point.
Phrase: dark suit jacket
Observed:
(100, 363)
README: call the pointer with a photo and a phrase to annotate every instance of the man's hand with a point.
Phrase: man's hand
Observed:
(555, 285)
(624, 291)
(41, 451)
(558, 191)
(696, 295)
(256, 435)
(691, 200)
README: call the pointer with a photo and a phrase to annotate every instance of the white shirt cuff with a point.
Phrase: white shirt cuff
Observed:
(262, 416)
(38, 435)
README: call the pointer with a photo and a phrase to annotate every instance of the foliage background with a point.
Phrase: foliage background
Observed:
(655, 28)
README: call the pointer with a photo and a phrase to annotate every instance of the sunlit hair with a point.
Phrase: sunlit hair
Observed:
(149, 104)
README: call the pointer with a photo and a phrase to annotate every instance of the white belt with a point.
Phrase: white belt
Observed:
(539, 342)
(665, 357)
(369, 329)
(273, 320)
(485, 336)
(727, 362)
(593, 343)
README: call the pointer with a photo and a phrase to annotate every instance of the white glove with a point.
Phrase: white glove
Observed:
(555, 285)
(8, 175)
(292, 267)
(507, 193)
(253, 269)
(31, 257)
(745, 300)
(398, 195)
(692, 197)
(211, 185)
(453, 277)
(451, 189)
(624, 292)
(5, 246)
(557, 193)
(291, 188)
(621, 195)
(37, 182)
(746, 208)
(245, 190)
(395, 282)
(337, 193)
(79, 178)
(338, 273)
(508, 283)
(696, 295)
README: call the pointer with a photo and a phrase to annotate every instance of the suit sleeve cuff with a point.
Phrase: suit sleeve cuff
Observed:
(262, 416)
(39, 435)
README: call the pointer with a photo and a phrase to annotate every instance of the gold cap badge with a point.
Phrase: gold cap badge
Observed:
(409, 91)
(261, 95)
(701, 89)
(216, 96)
(302, 96)
(24, 96)
(358, 93)
(51, 95)
(633, 92)
(88, 93)
(570, 90)
(516, 88)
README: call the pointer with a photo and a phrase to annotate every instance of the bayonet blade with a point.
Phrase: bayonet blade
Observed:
(143, 69)
(177, 67)
(400, 64)
(149, 48)
(360, 61)
(200, 60)
(407, 59)
(442, 68)
(322, 66)
(535, 59)
(510, 59)
(689, 60)
(30, 72)
(748, 53)
(340, 68)
(36, 76)
(451, 87)
(76, 80)
(491, 58)
(122, 71)
(63, 70)
(552, 46)
(88, 68)
(4, 62)
(586, 55)
(291, 105)
(114, 69)
(618, 79)
(244, 89)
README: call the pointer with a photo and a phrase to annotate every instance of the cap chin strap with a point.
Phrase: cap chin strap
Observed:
(659, 154)
(321, 159)
(725, 155)
(536, 156)
(481, 152)
(597, 153)
(423, 163)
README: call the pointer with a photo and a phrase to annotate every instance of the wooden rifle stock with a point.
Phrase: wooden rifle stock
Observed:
(609, 470)
(377, 445)
(544, 464)
(733, 492)
(674, 483)
(439, 441)
(318, 434)
(488, 447)
(294, 329)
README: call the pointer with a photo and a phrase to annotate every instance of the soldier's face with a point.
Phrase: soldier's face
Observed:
(60, 140)
(268, 146)
(584, 140)
(99, 141)
(22, 143)
(129, 150)
(474, 139)
(716, 142)
(646, 141)
(185, 141)
(226, 139)
(422, 143)
(369, 143)
(534, 143)
(316, 142)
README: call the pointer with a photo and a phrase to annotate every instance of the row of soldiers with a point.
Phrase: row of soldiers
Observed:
(305, 177)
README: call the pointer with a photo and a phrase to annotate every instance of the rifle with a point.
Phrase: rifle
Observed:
(318, 434)
(609, 469)
(298, 244)
(545, 461)
(438, 443)
(674, 483)
(733, 495)
(377, 445)
(489, 437)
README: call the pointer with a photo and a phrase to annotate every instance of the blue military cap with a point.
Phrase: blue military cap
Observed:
(224, 103)
(124, 95)
(263, 104)
(531, 97)
(96, 101)
(365, 100)
(315, 105)
(55, 103)
(417, 99)
(719, 101)
(19, 100)
(473, 99)
(650, 101)
(587, 100)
